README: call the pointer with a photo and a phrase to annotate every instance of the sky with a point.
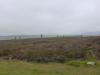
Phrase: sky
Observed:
(49, 17)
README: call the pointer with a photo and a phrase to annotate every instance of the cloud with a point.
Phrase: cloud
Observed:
(49, 16)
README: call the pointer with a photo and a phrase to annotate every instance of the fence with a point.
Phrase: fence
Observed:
(34, 36)
(25, 37)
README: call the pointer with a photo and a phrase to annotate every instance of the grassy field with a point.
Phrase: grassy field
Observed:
(26, 68)
(50, 56)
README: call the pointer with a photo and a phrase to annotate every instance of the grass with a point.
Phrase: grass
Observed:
(51, 48)
(26, 68)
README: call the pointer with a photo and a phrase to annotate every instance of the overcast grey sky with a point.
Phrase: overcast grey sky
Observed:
(49, 16)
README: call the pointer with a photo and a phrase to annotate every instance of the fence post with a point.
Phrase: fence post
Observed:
(41, 36)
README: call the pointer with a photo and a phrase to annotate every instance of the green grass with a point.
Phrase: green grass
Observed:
(26, 68)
